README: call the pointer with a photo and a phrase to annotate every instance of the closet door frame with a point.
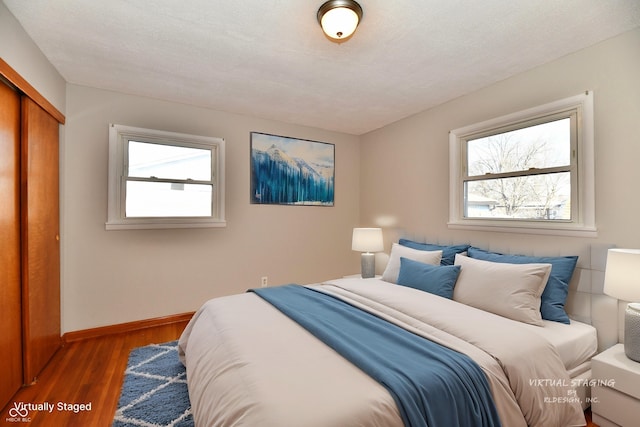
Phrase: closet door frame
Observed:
(25, 87)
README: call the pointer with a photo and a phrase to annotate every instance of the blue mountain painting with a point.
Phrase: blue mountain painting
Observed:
(278, 177)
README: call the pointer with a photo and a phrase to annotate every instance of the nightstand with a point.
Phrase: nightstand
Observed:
(615, 391)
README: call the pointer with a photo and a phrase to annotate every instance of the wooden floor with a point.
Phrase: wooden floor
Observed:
(91, 371)
(88, 371)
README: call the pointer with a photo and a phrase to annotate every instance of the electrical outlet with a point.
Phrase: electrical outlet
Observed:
(264, 281)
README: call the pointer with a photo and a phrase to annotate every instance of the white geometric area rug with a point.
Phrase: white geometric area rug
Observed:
(154, 392)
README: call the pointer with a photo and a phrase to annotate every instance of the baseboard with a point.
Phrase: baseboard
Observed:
(125, 327)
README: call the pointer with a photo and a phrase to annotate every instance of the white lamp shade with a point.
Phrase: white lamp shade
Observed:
(339, 23)
(367, 240)
(622, 276)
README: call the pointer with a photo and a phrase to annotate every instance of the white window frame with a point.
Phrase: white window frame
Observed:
(583, 191)
(119, 135)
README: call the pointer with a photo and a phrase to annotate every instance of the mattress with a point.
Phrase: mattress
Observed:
(576, 343)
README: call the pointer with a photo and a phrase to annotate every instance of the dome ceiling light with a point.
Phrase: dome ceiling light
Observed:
(339, 18)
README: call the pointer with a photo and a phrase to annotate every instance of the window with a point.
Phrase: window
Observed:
(530, 171)
(164, 180)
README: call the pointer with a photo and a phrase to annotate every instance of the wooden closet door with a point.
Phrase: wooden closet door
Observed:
(40, 238)
(10, 281)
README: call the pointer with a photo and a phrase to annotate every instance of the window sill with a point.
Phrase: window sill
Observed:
(527, 228)
(165, 224)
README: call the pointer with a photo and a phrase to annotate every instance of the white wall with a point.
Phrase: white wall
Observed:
(118, 276)
(405, 165)
(21, 53)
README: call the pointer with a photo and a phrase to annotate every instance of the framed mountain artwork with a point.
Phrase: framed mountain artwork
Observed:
(291, 171)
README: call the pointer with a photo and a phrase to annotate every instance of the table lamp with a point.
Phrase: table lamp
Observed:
(622, 281)
(367, 240)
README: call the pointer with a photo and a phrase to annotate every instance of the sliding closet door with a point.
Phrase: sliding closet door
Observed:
(10, 282)
(40, 238)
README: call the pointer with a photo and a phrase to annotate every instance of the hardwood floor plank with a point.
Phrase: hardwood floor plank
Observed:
(92, 371)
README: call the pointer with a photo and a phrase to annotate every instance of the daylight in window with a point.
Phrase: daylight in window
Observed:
(523, 173)
(161, 181)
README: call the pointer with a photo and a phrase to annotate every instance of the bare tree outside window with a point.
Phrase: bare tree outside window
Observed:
(521, 174)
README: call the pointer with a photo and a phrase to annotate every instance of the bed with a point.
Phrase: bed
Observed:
(251, 363)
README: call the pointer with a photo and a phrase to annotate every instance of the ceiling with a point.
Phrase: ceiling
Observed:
(270, 59)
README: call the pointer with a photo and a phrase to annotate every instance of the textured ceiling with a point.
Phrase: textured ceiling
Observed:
(270, 59)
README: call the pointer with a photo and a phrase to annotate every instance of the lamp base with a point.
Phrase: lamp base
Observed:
(368, 265)
(632, 331)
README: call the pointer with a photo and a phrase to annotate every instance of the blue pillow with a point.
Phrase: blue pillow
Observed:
(438, 280)
(555, 292)
(448, 252)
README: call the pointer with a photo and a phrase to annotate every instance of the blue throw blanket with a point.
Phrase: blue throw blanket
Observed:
(432, 385)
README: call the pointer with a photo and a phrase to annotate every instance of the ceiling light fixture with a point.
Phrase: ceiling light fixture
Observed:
(339, 18)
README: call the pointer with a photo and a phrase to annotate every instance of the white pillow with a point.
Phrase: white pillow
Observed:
(509, 290)
(397, 251)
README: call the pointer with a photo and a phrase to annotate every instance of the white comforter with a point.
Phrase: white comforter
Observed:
(249, 365)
